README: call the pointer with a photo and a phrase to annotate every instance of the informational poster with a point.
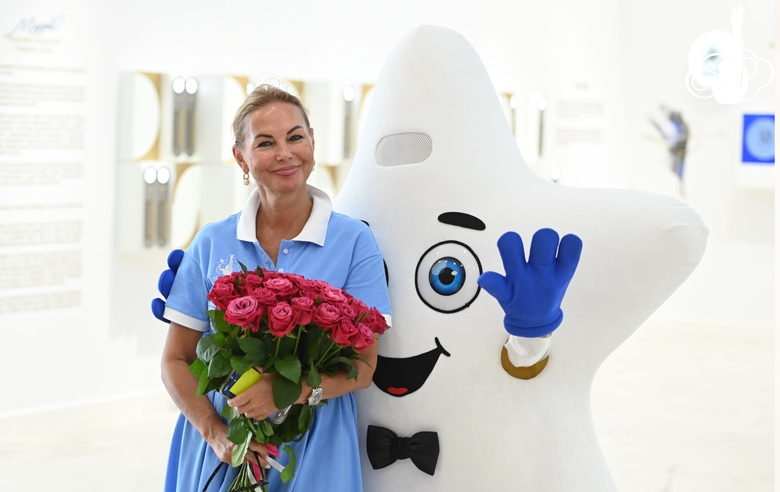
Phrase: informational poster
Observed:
(42, 163)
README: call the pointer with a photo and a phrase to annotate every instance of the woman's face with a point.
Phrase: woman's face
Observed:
(278, 148)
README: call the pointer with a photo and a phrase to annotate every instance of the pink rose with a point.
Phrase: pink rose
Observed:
(347, 311)
(361, 310)
(343, 332)
(244, 312)
(295, 278)
(320, 285)
(306, 284)
(222, 292)
(363, 338)
(375, 321)
(304, 309)
(312, 294)
(333, 295)
(264, 296)
(327, 316)
(251, 283)
(283, 287)
(281, 319)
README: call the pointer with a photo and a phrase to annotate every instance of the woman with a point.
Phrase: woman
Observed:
(285, 226)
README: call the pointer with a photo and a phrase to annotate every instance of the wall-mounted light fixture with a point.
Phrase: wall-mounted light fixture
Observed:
(541, 105)
(178, 85)
(349, 94)
(190, 87)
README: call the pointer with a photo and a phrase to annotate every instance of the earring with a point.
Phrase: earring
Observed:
(246, 179)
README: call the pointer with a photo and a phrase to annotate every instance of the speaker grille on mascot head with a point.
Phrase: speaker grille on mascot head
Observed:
(400, 149)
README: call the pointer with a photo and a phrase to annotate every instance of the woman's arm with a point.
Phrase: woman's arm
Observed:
(257, 401)
(182, 385)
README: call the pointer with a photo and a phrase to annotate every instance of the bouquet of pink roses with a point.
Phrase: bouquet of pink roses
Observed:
(280, 324)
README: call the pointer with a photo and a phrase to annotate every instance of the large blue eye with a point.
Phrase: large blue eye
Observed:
(447, 276)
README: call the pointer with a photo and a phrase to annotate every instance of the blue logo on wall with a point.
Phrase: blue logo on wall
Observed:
(758, 139)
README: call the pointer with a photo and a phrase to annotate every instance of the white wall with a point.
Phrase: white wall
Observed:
(627, 55)
(734, 282)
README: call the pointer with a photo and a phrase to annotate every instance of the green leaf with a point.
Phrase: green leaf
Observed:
(289, 471)
(207, 349)
(219, 338)
(198, 367)
(203, 383)
(290, 367)
(304, 418)
(231, 337)
(267, 428)
(251, 345)
(269, 367)
(313, 379)
(353, 373)
(229, 412)
(239, 452)
(270, 345)
(238, 364)
(243, 267)
(275, 440)
(285, 392)
(258, 360)
(237, 432)
(220, 365)
(218, 319)
(259, 272)
(214, 384)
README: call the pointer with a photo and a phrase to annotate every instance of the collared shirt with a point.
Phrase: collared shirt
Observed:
(330, 247)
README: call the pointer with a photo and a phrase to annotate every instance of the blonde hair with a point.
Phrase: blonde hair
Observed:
(262, 96)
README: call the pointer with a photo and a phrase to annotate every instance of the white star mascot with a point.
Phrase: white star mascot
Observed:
(469, 386)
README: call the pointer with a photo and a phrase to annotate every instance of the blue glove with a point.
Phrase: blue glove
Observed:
(531, 292)
(165, 283)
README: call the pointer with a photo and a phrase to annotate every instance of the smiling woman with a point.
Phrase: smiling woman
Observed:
(286, 227)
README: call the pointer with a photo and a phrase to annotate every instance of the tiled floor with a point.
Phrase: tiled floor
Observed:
(678, 408)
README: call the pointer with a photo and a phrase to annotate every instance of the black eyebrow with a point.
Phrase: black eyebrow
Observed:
(462, 220)
(261, 135)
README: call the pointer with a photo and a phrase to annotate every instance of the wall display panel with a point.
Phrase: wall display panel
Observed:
(145, 172)
(334, 117)
(757, 160)
(42, 201)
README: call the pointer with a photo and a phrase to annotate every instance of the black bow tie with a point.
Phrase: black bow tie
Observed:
(384, 448)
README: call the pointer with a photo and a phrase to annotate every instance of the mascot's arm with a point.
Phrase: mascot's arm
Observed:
(165, 282)
(525, 358)
(530, 294)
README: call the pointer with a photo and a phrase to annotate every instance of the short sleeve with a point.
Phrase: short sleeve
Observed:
(366, 279)
(187, 304)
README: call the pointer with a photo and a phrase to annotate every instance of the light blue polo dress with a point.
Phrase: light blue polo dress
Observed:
(331, 247)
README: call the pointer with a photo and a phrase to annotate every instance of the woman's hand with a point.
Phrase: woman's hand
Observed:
(223, 448)
(257, 401)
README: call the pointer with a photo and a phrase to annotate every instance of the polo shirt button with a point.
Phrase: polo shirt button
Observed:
(284, 251)
(281, 270)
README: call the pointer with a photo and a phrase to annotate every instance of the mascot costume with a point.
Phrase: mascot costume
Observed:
(469, 386)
